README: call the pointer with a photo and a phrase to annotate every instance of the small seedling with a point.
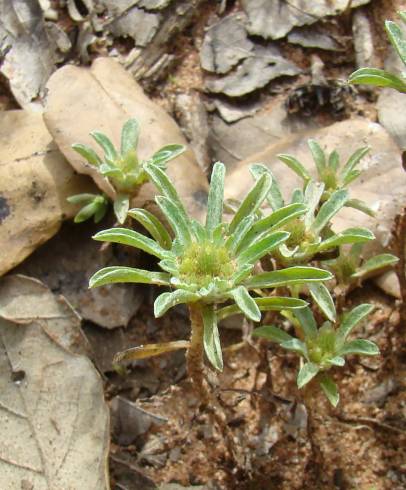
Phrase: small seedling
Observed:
(94, 205)
(122, 168)
(206, 266)
(382, 78)
(321, 349)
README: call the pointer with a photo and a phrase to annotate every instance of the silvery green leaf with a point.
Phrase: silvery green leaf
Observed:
(133, 239)
(88, 153)
(330, 389)
(165, 186)
(318, 156)
(109, 171)
(329, 209)
(106, 144)
(294, 164)
(312, 196)
(353, 175)
(102, 206)
(270, 303)
(272, 333)
(176, 219)
(211, 338)
(351, 235)
(307, 322)
(241, 273)
(274, 196)
(153, 225)
(295, 345)
(378, 78)
(216, 197)
(121, 205)
(353, 161)
(167, 300)
(321, 295)
(334, 160)
(167, 153)
(337, 361)
(352, 319)
(129, 136)
(86, 212)
(237, 237)
(298, 196)
(379, 262)
(359, 346)
(262, 247)
(169, 265)
(81, 198)
(397, 38)
(252, 201)
(198, 231)
(119, 274)
(307, 372)
(290, 275)
(246, 303)
(361, 206)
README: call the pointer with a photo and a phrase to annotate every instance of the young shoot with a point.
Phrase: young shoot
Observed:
(383, 78)
(122, 167)
(94, 205)
(321, 348)
(206, 266)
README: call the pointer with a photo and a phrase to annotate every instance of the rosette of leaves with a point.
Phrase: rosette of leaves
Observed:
(207, 266)
(310, 234)
(383, 78)
(350, 269)
(93, 205)
(122, 167)
(330, 172)
(321, 349)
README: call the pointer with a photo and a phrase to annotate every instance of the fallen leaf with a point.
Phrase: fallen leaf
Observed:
(54, 421)
(36, 180)
(104, 97)
(150, 350)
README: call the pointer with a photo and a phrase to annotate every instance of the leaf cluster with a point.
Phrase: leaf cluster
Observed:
(383, 78)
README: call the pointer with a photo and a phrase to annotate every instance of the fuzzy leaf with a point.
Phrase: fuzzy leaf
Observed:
(329, 209)
(237, 237)
(167, 153)
(295, 345)
(318, 156)
(252, 201)
(337, 361)
(211, 338)
(306, 374)
(274, 197)
(176, 219)
(375, 263)
(361, 206)
(167, 300)
(378, 78)
(102, 206)
(121, 205)
(321, 295)
(150, 350)
(272, 333)
(106, 144)
(359, 346)
(129, 136)
(351, 235)
(294, 164)
(270, 303)
(133, 239)
(397, 38)
(86, 212)
(81, 198)
(290, 275)
(334, 160)
(246, 304)
(312, 196)
(262, 247)
(216, 197)
(330, 390)
(307, 322)
(152, 224)
(88, 153)
(352, 319)
(352, 162)
(119, 274)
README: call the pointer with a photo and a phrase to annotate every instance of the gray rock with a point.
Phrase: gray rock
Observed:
(265, 64)
(232, 143)
(232, 112)
(273, 19)
(154, 4)
(309, 37)
(363, 40)
(136, 23)
(225, 44)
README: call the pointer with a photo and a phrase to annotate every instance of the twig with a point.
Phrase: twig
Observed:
(371, 421)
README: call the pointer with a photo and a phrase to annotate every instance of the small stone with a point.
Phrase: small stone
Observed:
(138, 24)
(308, 37)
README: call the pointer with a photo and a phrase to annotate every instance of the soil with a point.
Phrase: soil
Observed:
(280, 444)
